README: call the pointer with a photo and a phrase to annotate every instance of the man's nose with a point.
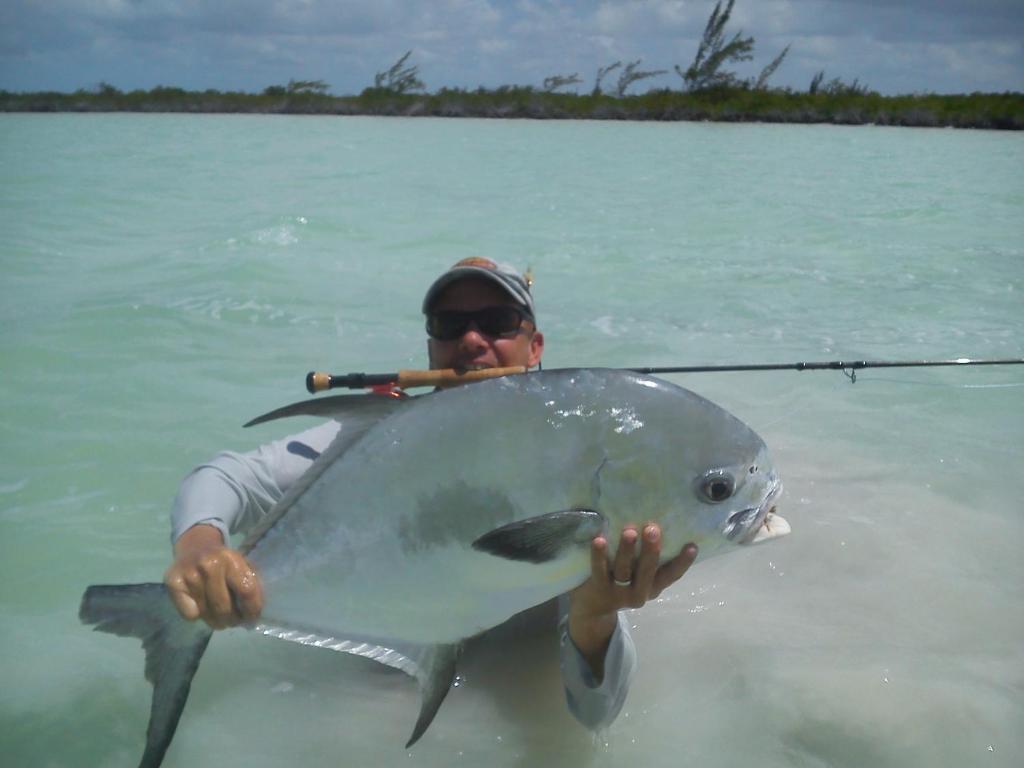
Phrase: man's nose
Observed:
(472, 336)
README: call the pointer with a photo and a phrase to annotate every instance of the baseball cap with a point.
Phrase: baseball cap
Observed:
(504, 276)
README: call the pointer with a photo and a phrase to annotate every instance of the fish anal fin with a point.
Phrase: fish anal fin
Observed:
(436, 678)
(406, 657)
(433, 666)
(544, 537)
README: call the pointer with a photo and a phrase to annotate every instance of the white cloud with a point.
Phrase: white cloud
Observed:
(477, 14)
(493, 46)
(774, 17)
(612, 18)
(975, 63)
(607, 45)
(820, 46)
(676, 14)
(647, 17)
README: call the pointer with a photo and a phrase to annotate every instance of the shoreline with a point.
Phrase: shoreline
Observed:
(978, 110)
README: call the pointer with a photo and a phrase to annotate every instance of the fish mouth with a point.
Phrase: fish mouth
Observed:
(755, 525)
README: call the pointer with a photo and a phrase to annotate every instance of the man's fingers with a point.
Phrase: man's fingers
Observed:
(674, 569)
(183, 602)
(622, 568)
(220, 608)
(245, 588)
(599, 562)
(647, 563)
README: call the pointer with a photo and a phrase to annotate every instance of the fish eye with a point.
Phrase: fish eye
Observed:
(753, 469)
(717, 485)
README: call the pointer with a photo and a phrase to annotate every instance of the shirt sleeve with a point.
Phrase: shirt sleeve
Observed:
(233, 491)
(593, 704)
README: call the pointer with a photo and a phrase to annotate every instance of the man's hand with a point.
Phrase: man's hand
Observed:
(212, 582)
(630, 583)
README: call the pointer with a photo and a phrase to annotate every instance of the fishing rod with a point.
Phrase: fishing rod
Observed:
(317, 381)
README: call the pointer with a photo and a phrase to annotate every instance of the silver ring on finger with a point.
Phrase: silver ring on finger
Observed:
(621, 583)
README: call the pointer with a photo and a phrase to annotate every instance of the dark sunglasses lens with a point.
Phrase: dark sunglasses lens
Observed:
(491, 321)
(498, 321)
(446, 326)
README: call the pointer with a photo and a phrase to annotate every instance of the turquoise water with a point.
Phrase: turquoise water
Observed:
(165, 278)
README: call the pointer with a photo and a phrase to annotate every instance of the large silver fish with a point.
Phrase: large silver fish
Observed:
(432, 519)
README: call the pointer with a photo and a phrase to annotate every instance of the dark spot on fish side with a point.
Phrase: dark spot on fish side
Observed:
(455, 513)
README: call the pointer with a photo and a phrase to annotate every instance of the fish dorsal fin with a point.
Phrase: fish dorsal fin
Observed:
(354, 425)
(544, 537)
(340, 407)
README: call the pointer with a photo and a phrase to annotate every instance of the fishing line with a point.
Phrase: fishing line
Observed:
(937, 383)
(805, 403)
(787, 416)
(991, 386)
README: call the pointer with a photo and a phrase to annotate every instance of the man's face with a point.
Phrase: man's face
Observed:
(475, 349)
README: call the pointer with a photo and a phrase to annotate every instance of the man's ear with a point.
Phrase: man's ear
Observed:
(536, 349)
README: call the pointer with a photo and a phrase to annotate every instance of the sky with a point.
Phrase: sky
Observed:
(916, 46)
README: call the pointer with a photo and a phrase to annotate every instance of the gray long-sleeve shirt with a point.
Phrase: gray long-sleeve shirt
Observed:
(233, 491)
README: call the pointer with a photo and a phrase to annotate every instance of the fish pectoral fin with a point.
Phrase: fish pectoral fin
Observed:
(543, 538)
(436, 675)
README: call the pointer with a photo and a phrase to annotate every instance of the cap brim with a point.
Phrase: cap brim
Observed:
(519, 295)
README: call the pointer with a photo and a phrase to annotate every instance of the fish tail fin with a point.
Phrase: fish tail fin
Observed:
(173, 648)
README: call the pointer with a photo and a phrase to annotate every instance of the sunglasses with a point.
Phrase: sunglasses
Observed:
(450, 324)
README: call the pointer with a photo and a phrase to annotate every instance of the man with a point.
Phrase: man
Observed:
(479, 315)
